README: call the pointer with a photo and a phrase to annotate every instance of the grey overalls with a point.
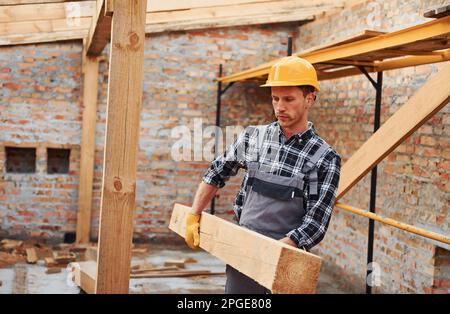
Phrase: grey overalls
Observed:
(273, 206)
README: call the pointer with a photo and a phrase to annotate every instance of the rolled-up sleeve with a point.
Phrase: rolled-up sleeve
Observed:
(319, 208)
(229, 163)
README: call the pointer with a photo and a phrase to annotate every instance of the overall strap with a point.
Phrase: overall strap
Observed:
(261, 134)
(311, 166)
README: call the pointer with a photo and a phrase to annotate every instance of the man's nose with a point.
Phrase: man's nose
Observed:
(280, 107)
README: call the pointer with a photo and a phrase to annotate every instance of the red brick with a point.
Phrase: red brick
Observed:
(12, 86)
(442, 283)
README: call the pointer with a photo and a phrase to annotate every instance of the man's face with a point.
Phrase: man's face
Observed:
(290, 106)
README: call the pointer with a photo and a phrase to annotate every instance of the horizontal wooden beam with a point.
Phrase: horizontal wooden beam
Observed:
(21, 39)
(45, 26)
(24, 2)
(21, 24)
(236, 11)
(273, 264)
(428, 100)
(155, 27)
(176, 5)
(46, 11)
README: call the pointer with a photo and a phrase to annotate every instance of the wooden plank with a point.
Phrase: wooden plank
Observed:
(84, 274)
(7, 244)
(273, 264)
(46, 26)
(90, 90)
(185, 273)
(7, 259)
(121, 144)
(146, 270)
(100, 31)
(52, 270)
(24, 2)
(176, 5)
(178, 263)
(49, 11)
(32, 257)
(34, 38)
(428, 100)
(154, 27)
(236, 12)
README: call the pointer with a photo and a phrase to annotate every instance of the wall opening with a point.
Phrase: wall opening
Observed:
(70, 237)
(441, 283)
(58, 160)
(20, 160)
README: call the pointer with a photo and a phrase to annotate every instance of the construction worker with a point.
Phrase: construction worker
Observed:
(292, 174)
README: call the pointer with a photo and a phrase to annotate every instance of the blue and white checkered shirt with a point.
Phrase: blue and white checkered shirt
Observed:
(291, 154)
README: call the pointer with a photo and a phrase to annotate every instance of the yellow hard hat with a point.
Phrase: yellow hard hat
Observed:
(292, 71)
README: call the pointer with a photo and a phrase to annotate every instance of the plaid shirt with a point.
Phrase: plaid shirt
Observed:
(290, 157)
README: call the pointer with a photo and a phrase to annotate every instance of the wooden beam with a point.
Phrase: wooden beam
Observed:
(84, 274)
(90, 90)
(122, 137)
(47, 11)
(155, 27)
(45, 26)
(386, 65)
(243, 14)
(273, 264)
(100, 31)
(24, 2)
(176, 5)
(52, 20)
(21, 39)
(428, 100)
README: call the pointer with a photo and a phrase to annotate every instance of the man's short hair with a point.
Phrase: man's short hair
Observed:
(306, 89)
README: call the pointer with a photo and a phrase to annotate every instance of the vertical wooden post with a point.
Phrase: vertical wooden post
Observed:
(90, 89)
(122, 136)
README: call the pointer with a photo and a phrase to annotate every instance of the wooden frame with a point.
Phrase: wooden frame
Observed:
(122, 137)
(22, 25)
(111, 272)
(90, 90)
(353, 49)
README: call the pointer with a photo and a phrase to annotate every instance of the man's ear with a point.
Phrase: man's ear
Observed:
(310, 98)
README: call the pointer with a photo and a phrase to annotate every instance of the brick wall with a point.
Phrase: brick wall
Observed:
(413, 185)
(40, 108)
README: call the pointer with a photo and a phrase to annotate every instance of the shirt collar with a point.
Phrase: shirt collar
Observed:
(302, 136)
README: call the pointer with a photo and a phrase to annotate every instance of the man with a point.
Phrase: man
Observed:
(292, 174)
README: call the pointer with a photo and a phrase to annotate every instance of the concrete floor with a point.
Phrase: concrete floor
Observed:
(26, 278)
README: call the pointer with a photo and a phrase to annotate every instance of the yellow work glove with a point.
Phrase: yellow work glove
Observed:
(193, 230)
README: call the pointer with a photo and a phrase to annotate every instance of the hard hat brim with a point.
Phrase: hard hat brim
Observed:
(286, 83)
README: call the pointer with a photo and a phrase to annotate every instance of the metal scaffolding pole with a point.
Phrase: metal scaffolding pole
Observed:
(378, 85)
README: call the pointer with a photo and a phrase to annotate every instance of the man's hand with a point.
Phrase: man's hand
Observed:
(288, 240)
(193, 230)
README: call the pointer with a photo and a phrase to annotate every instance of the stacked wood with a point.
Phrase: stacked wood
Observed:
(7, 259)
(9, 245)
